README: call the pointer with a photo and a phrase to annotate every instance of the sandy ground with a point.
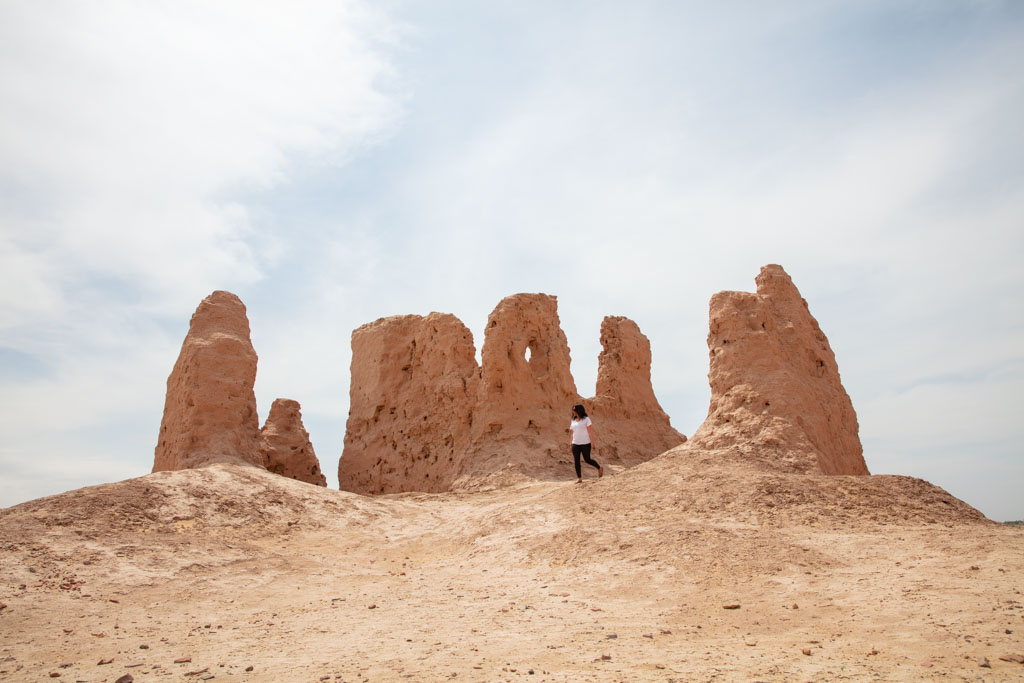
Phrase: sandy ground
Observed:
(246, 575)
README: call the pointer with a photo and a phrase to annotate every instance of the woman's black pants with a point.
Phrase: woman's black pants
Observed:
(584, 449)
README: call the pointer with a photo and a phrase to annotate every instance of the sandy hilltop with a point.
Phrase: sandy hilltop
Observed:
(758, 549)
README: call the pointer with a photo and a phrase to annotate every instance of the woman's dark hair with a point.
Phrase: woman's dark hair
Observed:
(580, 410)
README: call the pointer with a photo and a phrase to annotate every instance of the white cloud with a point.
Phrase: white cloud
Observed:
(133, 124)
(131, 137)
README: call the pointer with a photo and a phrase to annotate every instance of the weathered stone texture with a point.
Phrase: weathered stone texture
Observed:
(210, 408)
(631, 425)
(425, 417)
(285, 445)
(521, 414)
(776, 395)
(413, 384)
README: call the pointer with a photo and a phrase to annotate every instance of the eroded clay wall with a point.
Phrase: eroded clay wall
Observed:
(424, 417)
(210, 406)
(776, 394)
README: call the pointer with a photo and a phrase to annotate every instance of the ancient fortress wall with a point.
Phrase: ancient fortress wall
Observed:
(210, 407)
(425, 416)
(776, 394)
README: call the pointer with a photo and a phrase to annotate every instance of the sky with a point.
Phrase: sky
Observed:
(337, 162)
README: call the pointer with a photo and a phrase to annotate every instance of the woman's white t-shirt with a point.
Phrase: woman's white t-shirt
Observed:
(579, 430)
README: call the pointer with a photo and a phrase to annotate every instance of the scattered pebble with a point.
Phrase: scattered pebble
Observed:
(127, 678)
(606, 658)
(54, 674)
(248, 668)
(373, 606)
(1013, 658)
(143, 647)
(105, 661)
(182, 660)
(612, 636)
(984, 663)
(133, 665)
(733, 605)
(806, 651)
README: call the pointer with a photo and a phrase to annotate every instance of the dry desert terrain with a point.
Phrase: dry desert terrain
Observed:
(684, 568)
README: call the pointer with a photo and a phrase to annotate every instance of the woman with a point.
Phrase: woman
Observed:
(582, 440)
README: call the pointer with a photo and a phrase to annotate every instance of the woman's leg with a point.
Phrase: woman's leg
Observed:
(586, 456)
(576, 450)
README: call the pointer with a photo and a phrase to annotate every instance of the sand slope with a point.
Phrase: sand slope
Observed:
(623, 578)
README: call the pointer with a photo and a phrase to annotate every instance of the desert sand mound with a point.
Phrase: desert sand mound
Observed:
(624, 578)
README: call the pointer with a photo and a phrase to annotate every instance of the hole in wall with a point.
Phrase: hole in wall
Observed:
(537, 358)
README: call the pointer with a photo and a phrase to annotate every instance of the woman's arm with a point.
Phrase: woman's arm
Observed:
(590, 432)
